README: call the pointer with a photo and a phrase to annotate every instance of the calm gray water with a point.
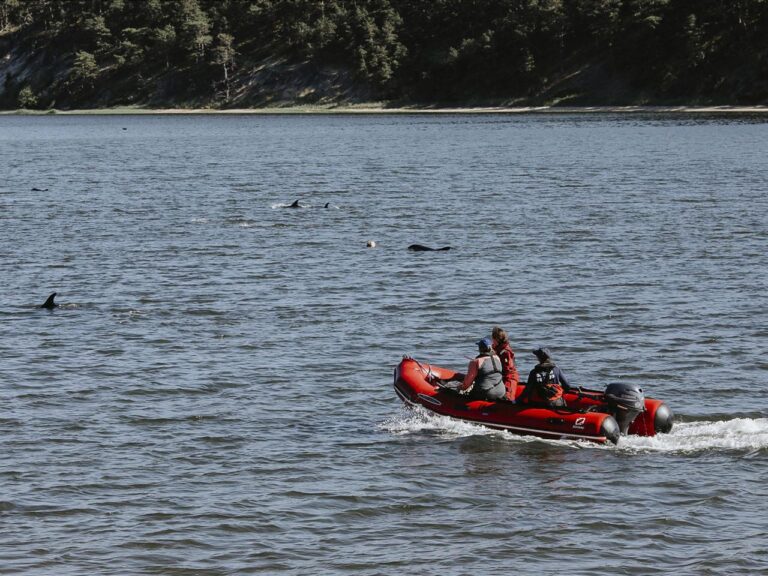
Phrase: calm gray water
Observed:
(214, 394)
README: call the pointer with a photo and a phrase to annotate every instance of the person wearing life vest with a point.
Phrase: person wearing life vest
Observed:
(546, 382)
(508, 369)
(484, 374)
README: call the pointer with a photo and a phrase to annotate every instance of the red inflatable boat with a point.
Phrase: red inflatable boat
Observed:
(591, 415)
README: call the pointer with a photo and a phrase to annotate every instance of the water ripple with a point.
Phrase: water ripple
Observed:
(214, 394)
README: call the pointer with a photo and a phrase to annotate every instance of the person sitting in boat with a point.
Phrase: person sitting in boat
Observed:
(484, 374)
(508, 369)
(546, 382)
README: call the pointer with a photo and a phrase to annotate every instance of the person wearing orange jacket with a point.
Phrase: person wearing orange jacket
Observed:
(508, 369)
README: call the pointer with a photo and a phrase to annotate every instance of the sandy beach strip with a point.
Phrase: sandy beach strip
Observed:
(383, 109)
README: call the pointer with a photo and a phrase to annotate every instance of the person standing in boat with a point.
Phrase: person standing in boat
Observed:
(546, 382)
(508, 369)
(484, 374)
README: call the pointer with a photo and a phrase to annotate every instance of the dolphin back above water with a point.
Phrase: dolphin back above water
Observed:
(422, 248)
(296, 204)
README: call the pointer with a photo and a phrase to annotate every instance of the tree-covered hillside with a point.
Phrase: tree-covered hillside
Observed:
(235, 53)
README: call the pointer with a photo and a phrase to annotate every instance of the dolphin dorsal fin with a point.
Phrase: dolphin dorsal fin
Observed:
(49, 303)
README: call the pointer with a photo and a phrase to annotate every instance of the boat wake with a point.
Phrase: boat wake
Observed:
(417, 420)
(737, 434)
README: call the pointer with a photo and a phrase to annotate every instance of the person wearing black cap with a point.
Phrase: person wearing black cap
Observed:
(546, 382)
(484, 374)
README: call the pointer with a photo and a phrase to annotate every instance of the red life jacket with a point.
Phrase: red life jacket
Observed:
(547, 387)
(508, 370)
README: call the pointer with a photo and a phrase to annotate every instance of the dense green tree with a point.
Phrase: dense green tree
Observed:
(85, 70)
(193, 28)
(162, 43)
(224, 56)
(418, 50)
(27, 98)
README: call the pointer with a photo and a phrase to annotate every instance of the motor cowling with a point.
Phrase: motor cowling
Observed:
(625, 402)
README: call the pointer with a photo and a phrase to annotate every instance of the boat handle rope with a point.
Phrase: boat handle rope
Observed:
(427, 371)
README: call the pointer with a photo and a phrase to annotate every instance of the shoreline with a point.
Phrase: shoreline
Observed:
(404, 110)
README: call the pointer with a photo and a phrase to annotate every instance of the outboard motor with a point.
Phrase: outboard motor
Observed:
(625, 402)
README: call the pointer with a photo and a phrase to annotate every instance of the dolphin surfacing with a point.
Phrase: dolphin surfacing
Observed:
(49, 304)
(295, 205)
(422, 248)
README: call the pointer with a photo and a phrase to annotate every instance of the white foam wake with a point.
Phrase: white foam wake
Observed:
(739, 434)
(416, 420)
